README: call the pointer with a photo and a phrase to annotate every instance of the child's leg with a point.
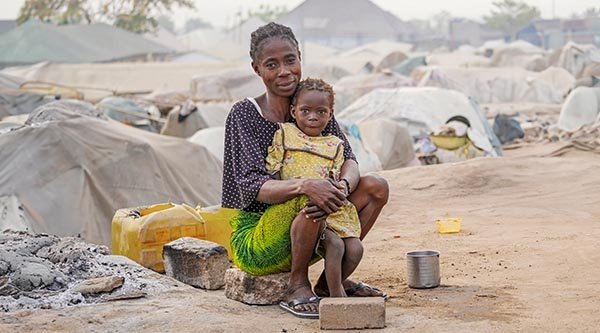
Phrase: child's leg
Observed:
(352, 255)
(334, 252)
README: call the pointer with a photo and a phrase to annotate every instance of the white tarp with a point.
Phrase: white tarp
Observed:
(575, 57)
(390, 141)
(205, 115)
(212, 139)
(231, 85)
(71, 175)
(350, 88)
(422, 109)
(581, 107)
(500, 85)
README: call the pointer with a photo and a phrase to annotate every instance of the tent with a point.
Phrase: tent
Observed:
(581, 107)
(500, 85)
(120, 77)
(329, 73)
(390, 141)
(576, 57)
(185, 123)
(71, 172)
(34, 42)
(423, 109)
(376, 55)
(232, 85)
(213, 139)
(350, 88)
(457, 59)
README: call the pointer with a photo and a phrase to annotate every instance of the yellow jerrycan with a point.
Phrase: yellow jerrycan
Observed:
(140, 233)
(217, 227)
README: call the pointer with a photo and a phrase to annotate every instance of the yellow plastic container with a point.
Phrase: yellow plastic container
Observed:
(216, 221)
(449, 142)
(140, 233)
(448, 225)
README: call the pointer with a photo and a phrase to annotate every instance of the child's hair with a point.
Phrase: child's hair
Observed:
(314, 84)
(268, 31)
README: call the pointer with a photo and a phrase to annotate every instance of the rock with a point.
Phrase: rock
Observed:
(346, 313)
(124, 295)
(196, 262)
(99, 285)
(4, 267)
(7, 289)
(31, 275)
(259, 290)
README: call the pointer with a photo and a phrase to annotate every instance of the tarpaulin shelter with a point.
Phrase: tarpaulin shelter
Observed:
(71, 172)
(423, 109)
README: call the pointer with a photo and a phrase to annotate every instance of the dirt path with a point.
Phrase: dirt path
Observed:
(526, 259)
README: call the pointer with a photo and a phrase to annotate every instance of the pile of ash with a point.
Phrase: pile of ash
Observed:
(50, 272)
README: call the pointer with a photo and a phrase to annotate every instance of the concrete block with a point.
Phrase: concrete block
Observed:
(347, 313)
(255, 290)
(196, 262)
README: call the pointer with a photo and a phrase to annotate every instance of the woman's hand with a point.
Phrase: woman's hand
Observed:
(327, 195)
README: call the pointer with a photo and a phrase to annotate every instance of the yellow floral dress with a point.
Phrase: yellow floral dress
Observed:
(296, 155)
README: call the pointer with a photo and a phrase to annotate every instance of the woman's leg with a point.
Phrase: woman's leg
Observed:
(369, 197)
(334, 253)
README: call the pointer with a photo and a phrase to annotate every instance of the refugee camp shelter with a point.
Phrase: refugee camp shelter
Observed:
(35, 41)
(70, 168)
(344, 23)
(423, 109)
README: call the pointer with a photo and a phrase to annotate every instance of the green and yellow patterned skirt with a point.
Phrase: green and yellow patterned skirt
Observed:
(261, 243)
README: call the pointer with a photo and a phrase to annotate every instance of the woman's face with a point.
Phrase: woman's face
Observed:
(278, 64)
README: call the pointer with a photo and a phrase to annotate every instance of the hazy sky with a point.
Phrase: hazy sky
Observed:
(222, 12)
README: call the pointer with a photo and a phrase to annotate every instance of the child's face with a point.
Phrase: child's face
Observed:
(312, 111)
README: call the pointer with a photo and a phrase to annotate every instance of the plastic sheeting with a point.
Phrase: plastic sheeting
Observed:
(213, 139)
(227, 86)
(500, 85)
(351, 88)
(390, 141)
(581, 107)
(205, 115)
(422, 109)
(367, 159)
(70, 176)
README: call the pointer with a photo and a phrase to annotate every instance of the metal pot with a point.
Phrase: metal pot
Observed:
(423, 269)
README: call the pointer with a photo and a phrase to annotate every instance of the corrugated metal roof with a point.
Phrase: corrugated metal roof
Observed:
(342, 18)
(34, 42)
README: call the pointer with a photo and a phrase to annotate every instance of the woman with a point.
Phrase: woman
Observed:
(284, 240)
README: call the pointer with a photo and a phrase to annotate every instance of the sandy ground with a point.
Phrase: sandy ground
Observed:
(525, 261)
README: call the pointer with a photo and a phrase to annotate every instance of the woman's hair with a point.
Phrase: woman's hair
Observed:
(268, 31)
(314, 84)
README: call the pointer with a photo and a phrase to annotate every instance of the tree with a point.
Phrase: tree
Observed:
(510, 16)
(592, 12)
(195, 23)
(165, 22)
(133, 15)
(266, 12)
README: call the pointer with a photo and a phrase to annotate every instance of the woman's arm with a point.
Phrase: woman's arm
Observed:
(322, 193)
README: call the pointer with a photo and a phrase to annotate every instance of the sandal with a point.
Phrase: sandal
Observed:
(291, 307)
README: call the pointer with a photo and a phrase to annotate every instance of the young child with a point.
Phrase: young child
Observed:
(300, 151)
